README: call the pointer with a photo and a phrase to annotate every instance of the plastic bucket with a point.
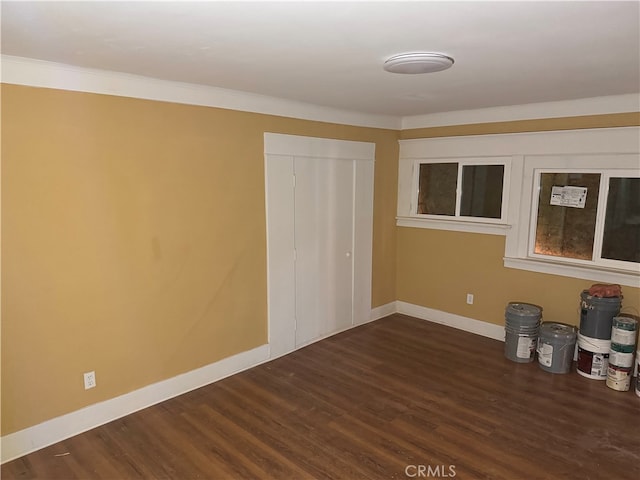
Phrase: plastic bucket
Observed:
(556, 344)
(522, 322)
(593, 357)
(596, 315)
(522, 315)
(624, 330)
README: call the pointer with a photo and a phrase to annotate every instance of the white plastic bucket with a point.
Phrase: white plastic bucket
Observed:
(593, 357)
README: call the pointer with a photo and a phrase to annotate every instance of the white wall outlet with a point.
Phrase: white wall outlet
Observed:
(89, 380)
(470, 298)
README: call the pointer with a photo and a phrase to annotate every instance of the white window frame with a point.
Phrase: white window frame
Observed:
(458, 222)
(521, 255)
(569, 147)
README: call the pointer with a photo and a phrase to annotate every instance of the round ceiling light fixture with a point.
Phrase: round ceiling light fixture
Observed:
(418, 62)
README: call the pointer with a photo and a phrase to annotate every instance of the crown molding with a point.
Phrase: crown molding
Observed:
(40, 73)
(44, 74)
(566, 108)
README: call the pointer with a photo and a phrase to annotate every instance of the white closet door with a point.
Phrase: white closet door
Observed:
(326, 221)
(324, 216)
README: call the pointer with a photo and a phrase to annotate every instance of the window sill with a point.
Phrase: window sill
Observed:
(597, 274)
(453, 225)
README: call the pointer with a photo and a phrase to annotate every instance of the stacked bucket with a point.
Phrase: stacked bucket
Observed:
(594, 338)
(522, 324)
(623, 342)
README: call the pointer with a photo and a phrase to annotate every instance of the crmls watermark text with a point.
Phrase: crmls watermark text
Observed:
(432, 471)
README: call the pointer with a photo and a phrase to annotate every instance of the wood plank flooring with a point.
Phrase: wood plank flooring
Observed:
(394, 399)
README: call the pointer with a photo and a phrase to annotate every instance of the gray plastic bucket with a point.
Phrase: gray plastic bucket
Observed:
(596, 315)
(522, 323)
(522, 315)
(556, 344)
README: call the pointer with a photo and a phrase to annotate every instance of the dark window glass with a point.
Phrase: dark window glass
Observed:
(621, 239)
(437, 188)
(482, 191)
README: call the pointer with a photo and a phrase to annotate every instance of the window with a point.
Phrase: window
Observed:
(621, 236)
(566, 217)
(482, 187)
(467, 194)
(480, 190)
(567, 202)
(437, 188)
(579, 216)
(589, 218)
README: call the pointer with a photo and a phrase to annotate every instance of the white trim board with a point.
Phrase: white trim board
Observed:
(467, 324)
(34, 438)
(23, 442)
(282, 154)
(39, 73)
(383, 311)
(566, 108)
(44, 74)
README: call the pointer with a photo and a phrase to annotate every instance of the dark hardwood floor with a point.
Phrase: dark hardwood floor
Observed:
(397, 398)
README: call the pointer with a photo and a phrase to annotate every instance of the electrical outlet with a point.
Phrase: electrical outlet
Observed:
(89, 380)
(470, 298)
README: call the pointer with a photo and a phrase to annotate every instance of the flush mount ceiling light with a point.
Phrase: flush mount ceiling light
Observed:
(417, 63)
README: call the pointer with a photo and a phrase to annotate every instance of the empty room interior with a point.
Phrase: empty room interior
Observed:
(323, 240)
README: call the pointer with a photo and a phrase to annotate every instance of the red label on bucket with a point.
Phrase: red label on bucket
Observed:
(592, 365)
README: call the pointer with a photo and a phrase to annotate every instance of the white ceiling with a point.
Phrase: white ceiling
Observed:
(331, 53)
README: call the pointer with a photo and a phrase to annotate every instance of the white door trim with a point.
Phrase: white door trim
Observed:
(280, 151)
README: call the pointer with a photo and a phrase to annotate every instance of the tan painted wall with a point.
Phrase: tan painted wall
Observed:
(134, 241)
(436, 269)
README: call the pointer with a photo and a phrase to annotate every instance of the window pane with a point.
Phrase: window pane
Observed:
(621, 240)
(482, 191)
(566, 231)
(437, 189)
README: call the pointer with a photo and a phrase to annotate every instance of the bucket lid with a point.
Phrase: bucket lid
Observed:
(606, 300)
(557, 330)
(622, 322)
(523, 309)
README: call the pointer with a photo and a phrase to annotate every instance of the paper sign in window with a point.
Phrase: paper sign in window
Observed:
(569, 196)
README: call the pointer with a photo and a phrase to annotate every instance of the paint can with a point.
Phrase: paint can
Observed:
(596, 315)
(619, 378)
(637, 372)
(522, 323)
(593, 357)
(623, 340)
(556, 344)
(624, 331)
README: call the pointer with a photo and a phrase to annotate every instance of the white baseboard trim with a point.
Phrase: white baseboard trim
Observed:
(383, 311)
(34, 438)
(471, 325)
(57, 429)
